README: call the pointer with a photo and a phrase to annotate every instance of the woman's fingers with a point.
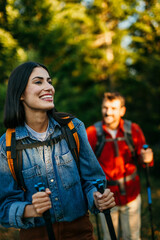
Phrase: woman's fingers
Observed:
(105, 200)
(41, 209)
(41, 201)
(106, 204)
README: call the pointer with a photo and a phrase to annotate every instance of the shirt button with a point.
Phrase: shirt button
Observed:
(56, 199)
(52, 180)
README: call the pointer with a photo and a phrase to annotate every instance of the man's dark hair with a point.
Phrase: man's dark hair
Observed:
(14, 114)
(110, 96)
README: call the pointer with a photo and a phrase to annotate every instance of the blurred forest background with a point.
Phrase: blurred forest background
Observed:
(89, 46)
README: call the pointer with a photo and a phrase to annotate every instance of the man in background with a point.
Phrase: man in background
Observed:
(118, 145)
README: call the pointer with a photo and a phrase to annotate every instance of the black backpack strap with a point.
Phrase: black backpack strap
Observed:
(17, 161)
(52, 141)
(17, 147)
(18, 170)
(13, 145)
(128, 137)
(16, 154)
(100, 139)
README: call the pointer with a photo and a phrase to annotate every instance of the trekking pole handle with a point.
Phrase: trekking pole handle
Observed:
(41, 188)
(100, 187)
(145, 146)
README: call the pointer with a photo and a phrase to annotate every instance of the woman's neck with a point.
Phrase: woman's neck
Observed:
(38, 122)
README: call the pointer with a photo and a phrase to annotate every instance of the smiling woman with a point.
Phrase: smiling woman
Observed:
(37, 98)
(30, 110)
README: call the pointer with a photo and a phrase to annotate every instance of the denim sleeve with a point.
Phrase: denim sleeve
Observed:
(12, 202)
(15, 216)
(90, 169)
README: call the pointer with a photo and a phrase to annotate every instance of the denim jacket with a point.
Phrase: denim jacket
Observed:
(71, 196)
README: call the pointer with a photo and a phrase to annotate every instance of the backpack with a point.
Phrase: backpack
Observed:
(102, 140)
(14, 149)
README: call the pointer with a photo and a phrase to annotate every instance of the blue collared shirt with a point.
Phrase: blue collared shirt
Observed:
(71, 196)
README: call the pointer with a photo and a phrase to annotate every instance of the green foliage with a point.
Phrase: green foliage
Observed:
(2, 101)
(82, 46)
(145, 45)
(9, 54)
(31, 22)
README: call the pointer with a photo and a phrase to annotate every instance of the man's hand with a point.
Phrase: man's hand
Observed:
(105, 200)
(146, 155)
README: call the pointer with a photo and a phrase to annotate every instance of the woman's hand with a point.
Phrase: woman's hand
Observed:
(41, 202)
(105, 200)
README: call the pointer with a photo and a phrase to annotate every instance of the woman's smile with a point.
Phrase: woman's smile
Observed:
(47, 97)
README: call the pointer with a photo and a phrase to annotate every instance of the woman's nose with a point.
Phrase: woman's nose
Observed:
(49, 86)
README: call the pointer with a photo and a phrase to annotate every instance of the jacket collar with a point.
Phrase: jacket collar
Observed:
(22, 132)
(120, 127)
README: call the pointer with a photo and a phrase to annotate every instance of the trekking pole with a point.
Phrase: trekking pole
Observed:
(46, 215)
(97, 224)
(100, 187)
(145, 146)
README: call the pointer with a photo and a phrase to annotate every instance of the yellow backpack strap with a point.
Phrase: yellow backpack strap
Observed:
(73, 142)
(9, 133)
(75, 134)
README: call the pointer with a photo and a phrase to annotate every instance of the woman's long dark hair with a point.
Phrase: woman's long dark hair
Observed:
(14, 114)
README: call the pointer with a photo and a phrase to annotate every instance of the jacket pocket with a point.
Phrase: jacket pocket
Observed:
(31, 177)
(67, 169)
(31, 172)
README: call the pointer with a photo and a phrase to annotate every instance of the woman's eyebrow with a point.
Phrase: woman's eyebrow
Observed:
(39, 77)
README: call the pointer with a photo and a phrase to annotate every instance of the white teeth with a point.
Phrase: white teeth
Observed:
(47, 97)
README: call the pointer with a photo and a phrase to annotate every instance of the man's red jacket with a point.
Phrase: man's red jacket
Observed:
(119, 167)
